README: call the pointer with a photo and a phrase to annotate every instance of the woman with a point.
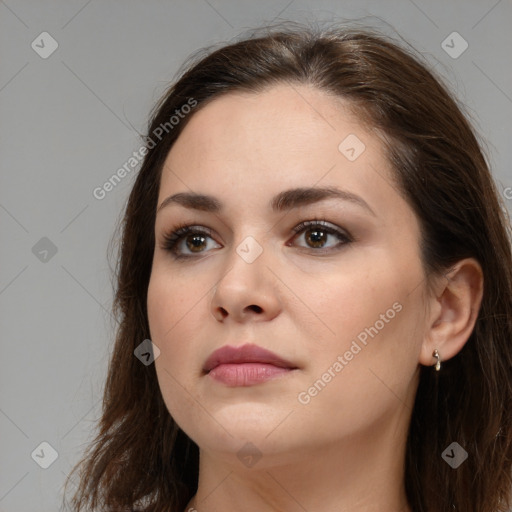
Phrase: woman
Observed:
(315, 247)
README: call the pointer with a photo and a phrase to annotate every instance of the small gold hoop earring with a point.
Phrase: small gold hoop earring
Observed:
(438, 362)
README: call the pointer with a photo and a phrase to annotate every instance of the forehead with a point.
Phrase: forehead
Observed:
(282, 117)
(287, 132)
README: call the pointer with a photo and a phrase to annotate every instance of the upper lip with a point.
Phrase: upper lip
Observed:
(245, 354)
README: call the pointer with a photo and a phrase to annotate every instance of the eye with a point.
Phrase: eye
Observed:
(317, 233)
(192, 238)
(189, 241)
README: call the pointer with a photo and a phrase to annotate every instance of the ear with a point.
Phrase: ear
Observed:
(453, 311)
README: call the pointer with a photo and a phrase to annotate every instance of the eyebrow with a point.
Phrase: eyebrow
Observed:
(284, 201)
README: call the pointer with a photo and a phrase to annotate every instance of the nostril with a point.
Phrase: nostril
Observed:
(255, 308)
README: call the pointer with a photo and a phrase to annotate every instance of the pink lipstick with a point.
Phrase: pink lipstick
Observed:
(246, 365)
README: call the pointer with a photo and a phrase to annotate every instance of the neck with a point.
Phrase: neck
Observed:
(362, 472)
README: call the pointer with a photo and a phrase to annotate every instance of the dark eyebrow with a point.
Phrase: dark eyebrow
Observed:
(283, 201)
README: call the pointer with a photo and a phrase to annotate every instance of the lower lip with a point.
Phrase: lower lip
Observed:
(246, 374)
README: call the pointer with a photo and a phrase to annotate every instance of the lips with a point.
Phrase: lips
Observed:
(245, 354)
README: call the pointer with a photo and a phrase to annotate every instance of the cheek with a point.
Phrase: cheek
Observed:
(160, 302)
(346, 303)
(174, 331)
(167, 317)
(379, 360)
(178, 312)
(373, 319)
(172, 301)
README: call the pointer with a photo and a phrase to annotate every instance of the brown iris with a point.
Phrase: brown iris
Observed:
(196, 242)
(318, 237)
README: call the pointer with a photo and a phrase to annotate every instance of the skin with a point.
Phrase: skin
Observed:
(344, 449)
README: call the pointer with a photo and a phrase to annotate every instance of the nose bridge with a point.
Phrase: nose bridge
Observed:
(246, 284)
(245, 264)
(250, 243)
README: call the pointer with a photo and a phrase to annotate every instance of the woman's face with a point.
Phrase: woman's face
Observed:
(347, 309)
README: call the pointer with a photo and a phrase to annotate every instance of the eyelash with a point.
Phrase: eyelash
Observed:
(171, 239)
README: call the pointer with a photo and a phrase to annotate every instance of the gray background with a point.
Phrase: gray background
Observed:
(69, 121)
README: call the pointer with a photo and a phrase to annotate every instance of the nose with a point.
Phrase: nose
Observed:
(246, 291)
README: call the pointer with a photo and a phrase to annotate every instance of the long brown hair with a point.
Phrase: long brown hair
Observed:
(140, 457)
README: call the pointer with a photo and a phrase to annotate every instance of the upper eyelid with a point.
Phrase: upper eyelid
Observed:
(318, 222)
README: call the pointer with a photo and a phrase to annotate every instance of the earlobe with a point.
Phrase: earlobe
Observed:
(453, 313)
